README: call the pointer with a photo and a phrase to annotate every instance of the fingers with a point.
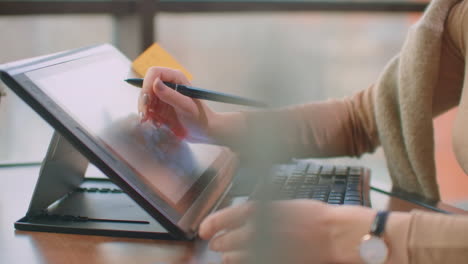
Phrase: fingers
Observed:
(145, 99)
(152, 77)
(233, 240)
(227, 218)
(167, 75)
(173, 98)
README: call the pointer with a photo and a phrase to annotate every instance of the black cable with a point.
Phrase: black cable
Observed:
(411, 200)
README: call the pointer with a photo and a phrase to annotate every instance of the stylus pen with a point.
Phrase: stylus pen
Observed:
(199, 93)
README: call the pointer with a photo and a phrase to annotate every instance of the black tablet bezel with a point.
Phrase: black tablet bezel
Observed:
(14, 75)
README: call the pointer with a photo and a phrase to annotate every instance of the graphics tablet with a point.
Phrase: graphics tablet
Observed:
(81, 93)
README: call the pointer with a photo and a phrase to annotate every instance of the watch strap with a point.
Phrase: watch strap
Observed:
(378, 226)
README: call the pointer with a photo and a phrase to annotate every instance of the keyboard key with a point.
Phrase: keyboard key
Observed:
(320, 195)
(357, 199)
(334, 201)
(308, 186)
(311, 177)
(319, 199)
(104, 190)
(352, 198)
(341, 170)
(300, 167)
(313, 169)
(325, 179)
(312, 181)
(321, 191)
(340, 188)
(354, 180)
(339, 181)
(355, 171)
(351, 192)
(296, 177)
(340, 199)
(351, 203)
(322, 186)
(334, 194)
(327, 170)
(341, 177)
(353, 186)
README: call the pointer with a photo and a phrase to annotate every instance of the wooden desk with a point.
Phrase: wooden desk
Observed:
(37, 247)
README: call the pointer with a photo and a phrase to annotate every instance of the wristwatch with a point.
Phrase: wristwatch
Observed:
(373, 249)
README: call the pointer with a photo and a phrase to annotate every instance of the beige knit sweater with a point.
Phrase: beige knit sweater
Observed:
(404, 101)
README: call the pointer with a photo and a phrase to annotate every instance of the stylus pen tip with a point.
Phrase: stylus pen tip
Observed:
(135, 82)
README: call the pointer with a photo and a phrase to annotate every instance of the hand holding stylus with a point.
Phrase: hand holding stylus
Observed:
(162, 105)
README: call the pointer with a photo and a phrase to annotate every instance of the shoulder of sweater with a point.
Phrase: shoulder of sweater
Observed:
(435, 15)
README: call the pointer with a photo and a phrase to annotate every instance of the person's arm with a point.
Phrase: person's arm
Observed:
(437, 238)
(331, 128)
(340, 127)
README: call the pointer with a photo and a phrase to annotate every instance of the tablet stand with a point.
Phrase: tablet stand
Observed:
(65, 201)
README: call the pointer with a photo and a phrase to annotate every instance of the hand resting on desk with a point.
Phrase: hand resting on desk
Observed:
(299, 231)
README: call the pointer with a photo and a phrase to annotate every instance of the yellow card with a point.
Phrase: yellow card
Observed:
(157, 56)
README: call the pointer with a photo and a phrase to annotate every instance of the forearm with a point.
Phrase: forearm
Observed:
(438, 238)
(228, 129)
(343, 127)
(414, 238)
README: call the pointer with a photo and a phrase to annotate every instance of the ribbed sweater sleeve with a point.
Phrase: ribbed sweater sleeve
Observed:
(344, 127)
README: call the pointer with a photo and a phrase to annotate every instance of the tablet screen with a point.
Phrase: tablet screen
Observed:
(92, 90)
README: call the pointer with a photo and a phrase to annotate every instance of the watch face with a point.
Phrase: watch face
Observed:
(373, 250)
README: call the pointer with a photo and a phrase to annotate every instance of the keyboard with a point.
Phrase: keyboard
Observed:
(348, 185)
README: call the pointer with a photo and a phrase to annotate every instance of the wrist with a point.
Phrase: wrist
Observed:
(352, 223)
(227, 128)
(396, 234)
(373, 248)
